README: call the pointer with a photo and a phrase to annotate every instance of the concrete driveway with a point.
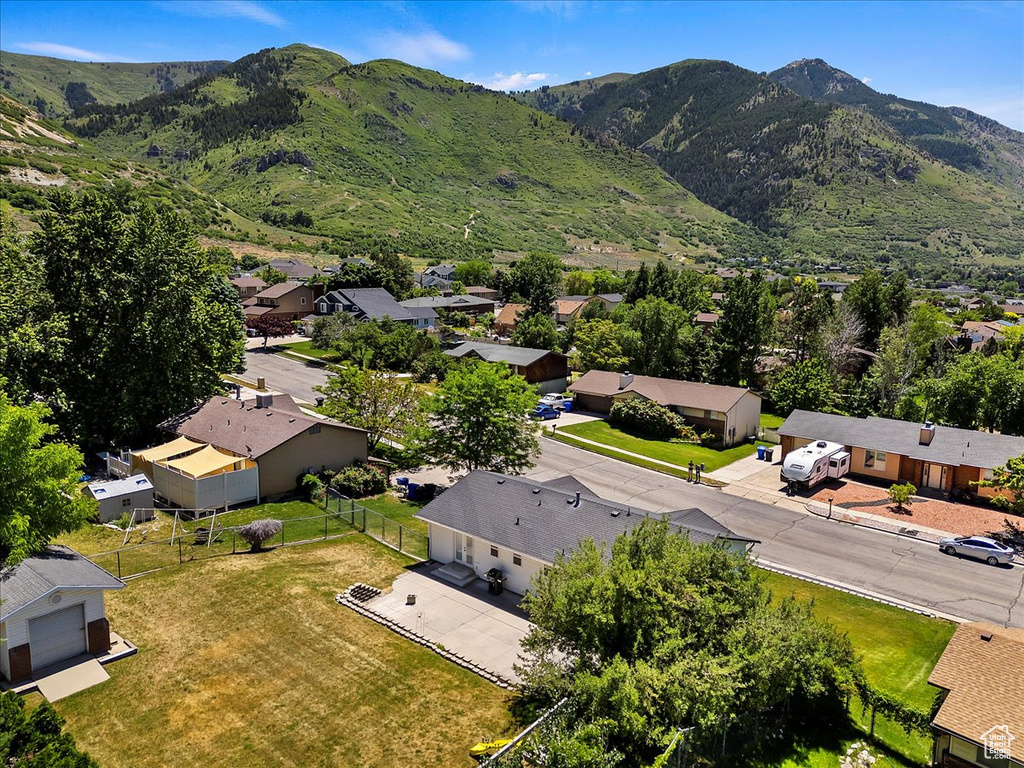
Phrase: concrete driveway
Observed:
(285, 375)
(482, 628)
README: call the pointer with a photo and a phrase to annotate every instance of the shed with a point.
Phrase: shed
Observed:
(116, 497)
(53, 609)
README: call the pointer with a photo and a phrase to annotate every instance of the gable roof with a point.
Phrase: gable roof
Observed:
(461, 301)
(949, 445)
(248, 281)
(688, 394)
(294, 267)
(541, 520)
(242, 428)
(111, 489)
(984, 679)
(374, 303)
(279, 290)
(509, 314)
(500, 353)
(56, 567)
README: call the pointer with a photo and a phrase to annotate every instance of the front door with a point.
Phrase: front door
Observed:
(934, 476)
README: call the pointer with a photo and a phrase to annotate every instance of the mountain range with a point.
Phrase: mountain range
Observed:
(699, 159)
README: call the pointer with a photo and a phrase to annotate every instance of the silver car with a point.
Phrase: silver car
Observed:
(978, 547)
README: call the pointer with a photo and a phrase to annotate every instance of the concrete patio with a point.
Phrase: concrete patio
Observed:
(64, 678)
(469, 622)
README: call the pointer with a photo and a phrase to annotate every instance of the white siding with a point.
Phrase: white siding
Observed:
(442, 543)
(518, 577)
(15, 627)
(745, 416)
(113, 508)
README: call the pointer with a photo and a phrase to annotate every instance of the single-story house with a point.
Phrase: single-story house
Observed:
(294, 269)
(929, 456)
(247, 285)
(981, 676)
(273, 432)
(482, 292)
(571, 307)
(52, 610)
(548, 370)
(117, 497)
(731, 413)
(507, 319)
(373, 304)
(471, 305)
(519, 525)
(292, 301)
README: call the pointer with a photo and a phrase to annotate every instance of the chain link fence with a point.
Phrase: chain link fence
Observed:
(383, 529)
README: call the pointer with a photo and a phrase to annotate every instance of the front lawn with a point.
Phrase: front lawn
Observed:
(307, 348)
(771, 421)
(248, 660)
(680, 454)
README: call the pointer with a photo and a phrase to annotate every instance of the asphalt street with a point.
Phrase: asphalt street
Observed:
(283, 374)
(905, 570)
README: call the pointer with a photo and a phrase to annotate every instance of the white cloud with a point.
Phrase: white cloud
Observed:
(69, 52)
(865, 80)
(517, 81)
(588, 73)
(566, 9)
(227, 9)
(420, 48)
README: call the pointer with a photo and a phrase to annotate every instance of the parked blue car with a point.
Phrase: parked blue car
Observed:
(544, 412)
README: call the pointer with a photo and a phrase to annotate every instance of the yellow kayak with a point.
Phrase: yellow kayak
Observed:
(486, 748)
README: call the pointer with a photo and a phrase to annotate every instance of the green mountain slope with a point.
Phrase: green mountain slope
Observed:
(953, 135)
(299, 135)
(836, 182)
(55, 87)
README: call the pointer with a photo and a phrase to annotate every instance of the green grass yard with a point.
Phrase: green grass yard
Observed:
(771, 421)
(248, 660)
(680, 454)
(399, 510)
(306, 348)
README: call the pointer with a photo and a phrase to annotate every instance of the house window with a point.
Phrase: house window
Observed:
(517, 559)
(709, 415)
(126, 502)
(987, 474)
(494, 551)
(302, 299)
(315, 429)
(875, 460)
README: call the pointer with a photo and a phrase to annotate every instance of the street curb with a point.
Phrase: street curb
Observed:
(857, 591)
(925, 537)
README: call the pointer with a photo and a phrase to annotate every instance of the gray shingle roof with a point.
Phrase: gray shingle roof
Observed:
(950, 445)
(461, 302)
(374, 303)
(495, 353)
(110, 489)
(54, 568)
(541, 520)
(686, 394)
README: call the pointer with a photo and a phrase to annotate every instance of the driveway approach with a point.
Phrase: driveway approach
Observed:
(910, 571)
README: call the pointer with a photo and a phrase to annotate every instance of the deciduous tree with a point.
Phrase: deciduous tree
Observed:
(597, 347)
(382, 403)
(806, 385)
(536, 332)
(270, 327)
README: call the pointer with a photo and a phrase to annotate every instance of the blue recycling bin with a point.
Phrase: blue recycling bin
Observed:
(401, 481)
(760, 453)
(411, 494)
(567, 406)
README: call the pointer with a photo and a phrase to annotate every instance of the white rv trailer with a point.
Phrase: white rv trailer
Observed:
(806, 467)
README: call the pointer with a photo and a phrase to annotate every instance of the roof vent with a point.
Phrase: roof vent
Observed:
(501, 480)
(986, 637)
(517, 521)
(616, 513)
(576, 502)
(291, 421)
(264, 400)
(821, 444)
(536, 490)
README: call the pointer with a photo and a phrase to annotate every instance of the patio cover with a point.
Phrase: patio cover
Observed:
(176, 447)
(203, 462)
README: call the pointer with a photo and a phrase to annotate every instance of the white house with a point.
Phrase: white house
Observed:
(52, 610)
(121, 496)
(518, 525)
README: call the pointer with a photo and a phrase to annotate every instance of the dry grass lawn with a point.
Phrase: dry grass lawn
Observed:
(247, 660)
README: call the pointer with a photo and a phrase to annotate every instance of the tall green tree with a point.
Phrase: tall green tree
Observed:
(597, 347)
(639, 284)
(380, 402)
(745, 330)
(39, 496)
(650, 337)
(809, 312)
(536, 332)
(807, 385)
(892, 374)
(878, 301)
(148, 325)
(579, 283)
(396, 273)
(534, 281)
(606, 281)
(474, 272)
(271, 276)
(36, 738)
(480, 419)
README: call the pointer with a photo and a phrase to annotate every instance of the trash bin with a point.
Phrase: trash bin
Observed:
(411, 492)
(768, 454)
(568, 406)
(760, 453)
(401, 481)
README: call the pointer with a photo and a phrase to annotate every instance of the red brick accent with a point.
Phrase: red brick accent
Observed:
(98, 633)
(21, 662)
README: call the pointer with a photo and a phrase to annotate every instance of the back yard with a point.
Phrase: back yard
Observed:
(247, 660)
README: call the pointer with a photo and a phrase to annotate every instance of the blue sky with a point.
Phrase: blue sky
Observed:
(964, 52)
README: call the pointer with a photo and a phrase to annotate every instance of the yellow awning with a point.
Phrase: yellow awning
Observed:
(205, 462)
(176, 447)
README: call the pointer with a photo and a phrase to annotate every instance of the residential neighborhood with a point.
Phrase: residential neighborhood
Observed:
(398, 402)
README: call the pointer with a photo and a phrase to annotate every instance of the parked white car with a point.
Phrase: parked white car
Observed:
(978, 547)
(555, 401)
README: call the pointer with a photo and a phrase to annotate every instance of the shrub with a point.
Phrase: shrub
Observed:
(650, 419)
(359, 480)
(901, 493)
(313, 489)
(259, 531)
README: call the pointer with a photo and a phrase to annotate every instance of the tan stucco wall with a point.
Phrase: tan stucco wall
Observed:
(332, 448)
(745, 416)
(892, 466)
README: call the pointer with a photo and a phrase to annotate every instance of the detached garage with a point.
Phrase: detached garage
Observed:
(52, 610)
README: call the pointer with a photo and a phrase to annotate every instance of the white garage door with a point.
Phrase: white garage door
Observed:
(57, 636)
